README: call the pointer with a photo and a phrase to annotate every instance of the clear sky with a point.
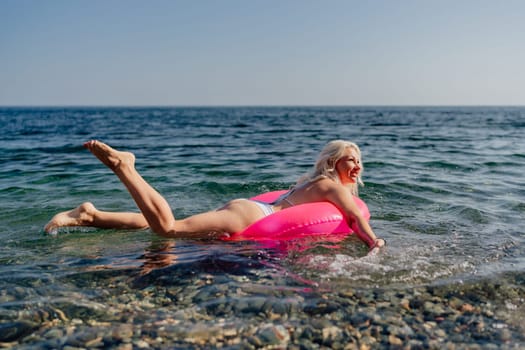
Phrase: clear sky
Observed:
(262, 52)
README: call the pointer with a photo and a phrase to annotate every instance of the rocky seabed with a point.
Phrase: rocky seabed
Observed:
(235, 313)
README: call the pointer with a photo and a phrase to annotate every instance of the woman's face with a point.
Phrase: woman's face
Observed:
(348, 167)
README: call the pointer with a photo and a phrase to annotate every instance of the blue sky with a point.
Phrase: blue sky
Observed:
(251, 52)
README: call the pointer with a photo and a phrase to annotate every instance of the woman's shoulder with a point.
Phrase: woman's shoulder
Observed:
(328, 185)
(329, 190)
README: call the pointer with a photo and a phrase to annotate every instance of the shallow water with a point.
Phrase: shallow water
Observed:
(444, 186)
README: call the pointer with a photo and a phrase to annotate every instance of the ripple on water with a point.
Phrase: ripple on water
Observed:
(468, 215)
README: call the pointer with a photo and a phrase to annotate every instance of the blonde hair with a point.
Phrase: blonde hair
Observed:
(325, 165)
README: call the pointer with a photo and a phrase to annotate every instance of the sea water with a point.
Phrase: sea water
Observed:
(444, 186)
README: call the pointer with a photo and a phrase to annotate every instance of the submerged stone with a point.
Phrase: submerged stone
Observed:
(13, 331)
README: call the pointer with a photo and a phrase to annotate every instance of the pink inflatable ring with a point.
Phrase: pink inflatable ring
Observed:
(320, 218)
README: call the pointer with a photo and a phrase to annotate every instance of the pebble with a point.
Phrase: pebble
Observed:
(123, 332)
(13, 331)
(467, 308)
(273, 335)
(331, 334)
(141, 344)
(405, 304)
(393, 340)
(229, 332)
(308, 333)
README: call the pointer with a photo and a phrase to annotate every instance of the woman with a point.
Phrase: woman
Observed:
(334, 179)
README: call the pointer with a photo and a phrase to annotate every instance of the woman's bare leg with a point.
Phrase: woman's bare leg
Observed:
(153, 206)
(87, 215)
(156, 212)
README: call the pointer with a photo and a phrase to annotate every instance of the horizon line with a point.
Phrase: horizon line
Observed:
(263, 106)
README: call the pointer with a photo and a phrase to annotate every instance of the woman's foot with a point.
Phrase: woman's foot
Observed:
(80, 216)
(110, 157)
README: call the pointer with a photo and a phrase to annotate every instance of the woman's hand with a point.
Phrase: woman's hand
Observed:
(378, 244)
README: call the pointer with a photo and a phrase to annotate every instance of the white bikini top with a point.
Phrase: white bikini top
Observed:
(284, 197)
